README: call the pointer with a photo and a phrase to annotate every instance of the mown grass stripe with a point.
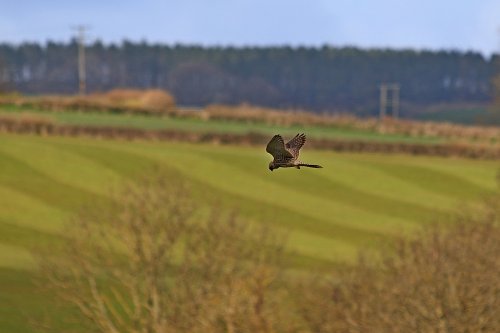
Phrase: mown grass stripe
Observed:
(433, 180)
(108, 157)
(318, 184)
(255, 209)
(363, 177)
(18, 175)
(25, 210)
(15, 257)
(96, 154)
(63, 166)
(477, 172)
(266, 188)
(26, 238)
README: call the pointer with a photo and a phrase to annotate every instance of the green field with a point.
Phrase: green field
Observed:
(217, 126)
(356, 202)
(459, 115)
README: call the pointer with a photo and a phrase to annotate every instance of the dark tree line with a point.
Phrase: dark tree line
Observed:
(325, 78)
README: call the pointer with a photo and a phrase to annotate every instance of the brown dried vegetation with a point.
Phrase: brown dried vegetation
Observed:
(44, 126)
(444, 281)
(152, 263)
(155, 263)
(152, 101)
(386, 126)
(160, 102)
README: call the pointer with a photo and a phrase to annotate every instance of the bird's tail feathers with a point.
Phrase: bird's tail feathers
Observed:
(311, 165)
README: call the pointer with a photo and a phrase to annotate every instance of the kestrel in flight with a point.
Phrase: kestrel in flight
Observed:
(286, 156)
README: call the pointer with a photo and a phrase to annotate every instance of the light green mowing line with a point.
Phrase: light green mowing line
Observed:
(25, 237)
(427, 178)
(218, 126)
(366, 178)
(477, 172)
(322, 247)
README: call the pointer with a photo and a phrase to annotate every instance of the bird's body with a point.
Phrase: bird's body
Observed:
(287, 155)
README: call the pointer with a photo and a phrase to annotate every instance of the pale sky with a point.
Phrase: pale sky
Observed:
(422, 24)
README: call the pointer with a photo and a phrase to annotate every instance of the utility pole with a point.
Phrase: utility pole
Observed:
(395, 101)
(383, 100)
(389, 90)
(498, 46)
(82, 79)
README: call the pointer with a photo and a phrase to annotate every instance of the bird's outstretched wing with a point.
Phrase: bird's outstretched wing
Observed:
(276, 147)
(294, 145)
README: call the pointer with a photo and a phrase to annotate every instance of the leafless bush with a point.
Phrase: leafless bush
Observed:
(444, 281)
(230, 275)
(152, 263)
(115, 265)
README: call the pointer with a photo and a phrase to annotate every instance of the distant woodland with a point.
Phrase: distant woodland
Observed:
(320, 79)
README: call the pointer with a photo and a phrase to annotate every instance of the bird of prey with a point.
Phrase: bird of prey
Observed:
(286, 155)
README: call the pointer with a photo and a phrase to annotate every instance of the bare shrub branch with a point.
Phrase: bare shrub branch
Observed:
(444, 281)
(152, 263)
(230, 276)
(117, 261)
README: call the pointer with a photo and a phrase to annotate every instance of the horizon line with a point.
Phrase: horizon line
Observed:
(295, 46)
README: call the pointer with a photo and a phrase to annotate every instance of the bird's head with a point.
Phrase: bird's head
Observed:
(272, 166)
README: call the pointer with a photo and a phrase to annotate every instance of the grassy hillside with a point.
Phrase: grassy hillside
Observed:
(356, 201)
